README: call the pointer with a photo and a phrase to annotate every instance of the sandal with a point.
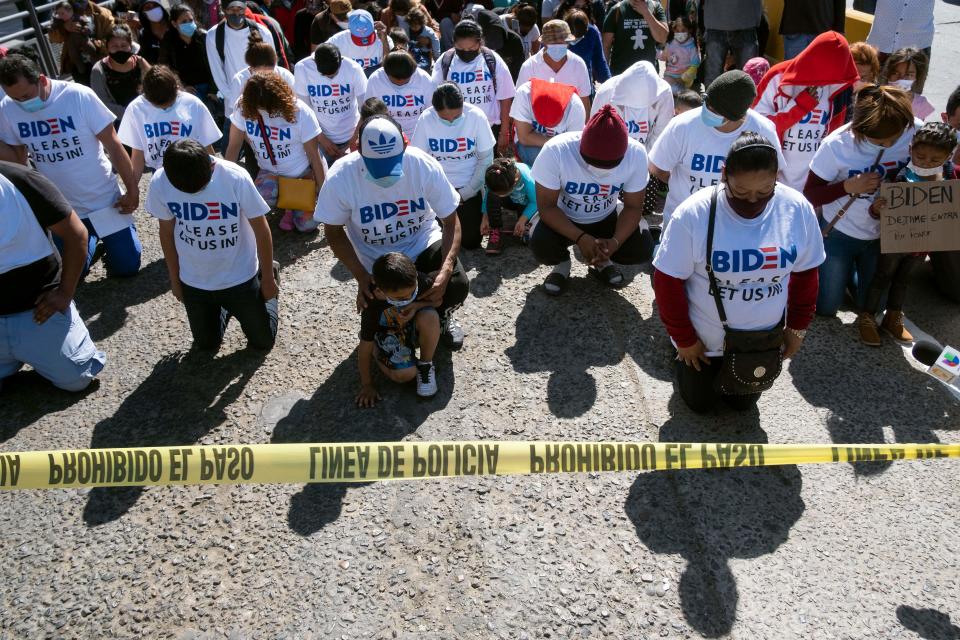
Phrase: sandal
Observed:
(555, 284)
(610, 275)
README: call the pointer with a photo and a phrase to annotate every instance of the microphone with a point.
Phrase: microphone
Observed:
(926, 352)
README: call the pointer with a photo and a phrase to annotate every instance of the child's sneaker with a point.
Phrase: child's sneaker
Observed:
(304, 222)
(893, 324)
(867, 325)
(494, 243)
(286, 222)
(426, 380)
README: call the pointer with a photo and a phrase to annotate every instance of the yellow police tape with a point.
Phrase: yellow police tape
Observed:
(371, 461)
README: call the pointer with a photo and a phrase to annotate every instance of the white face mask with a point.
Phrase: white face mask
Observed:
(924, 173)
(154, 15)
(903, 83)
(681, 37)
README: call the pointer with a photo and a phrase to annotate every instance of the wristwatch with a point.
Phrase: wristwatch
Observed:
(800, 333)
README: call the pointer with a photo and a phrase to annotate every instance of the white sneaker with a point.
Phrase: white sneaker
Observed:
(426, 380)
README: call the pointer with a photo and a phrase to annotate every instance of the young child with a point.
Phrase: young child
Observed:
(423, 41)
(79, 51)
(681, 55)
(907, 69)
(685, 101)
(929, 160)
(393, 325)
(401, 41)
(867, 60)
(507, 184)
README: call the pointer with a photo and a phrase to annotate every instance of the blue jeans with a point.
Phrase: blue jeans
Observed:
(850, 263)
(122, 251)
(795, 43)
(60, 349)
(208, 313)
(527, 154)
(743, 43)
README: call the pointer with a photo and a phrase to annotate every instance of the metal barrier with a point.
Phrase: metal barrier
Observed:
(33, 32)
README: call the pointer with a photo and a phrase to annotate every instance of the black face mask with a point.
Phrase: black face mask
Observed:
(120, 57)
(467, 56)
(747, 209)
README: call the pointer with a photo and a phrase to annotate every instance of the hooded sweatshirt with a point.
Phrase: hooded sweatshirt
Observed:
(801, 119)
(643, 99)
(506, 42)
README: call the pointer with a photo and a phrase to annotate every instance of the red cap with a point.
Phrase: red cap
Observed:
(549, 101)
(604, 139)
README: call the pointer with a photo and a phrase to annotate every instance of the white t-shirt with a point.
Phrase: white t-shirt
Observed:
(573, 72)
(151, 129)
(801, 141)
(841, 157)
(62, 139)
(215, 244)
(454, 147)
(404, 102)
(752, 260)
(22, 239)
(574, 117)
(380, 220)
(239, 80)
(286, 138)
(235, 43)
(476, 83)
(644, 123)
(335, 100)
(587, 194)
(694, 153)
(366, 57)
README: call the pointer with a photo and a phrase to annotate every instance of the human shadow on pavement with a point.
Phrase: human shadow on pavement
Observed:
(713, 515)
(331, 415)
(290, 246)
(104, 304)
(182, 399)
(26, 396)
(868, 389)
(589, 326)
(492, 271)
(929, 624)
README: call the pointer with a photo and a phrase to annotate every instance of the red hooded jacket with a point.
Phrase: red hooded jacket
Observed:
(826, 62)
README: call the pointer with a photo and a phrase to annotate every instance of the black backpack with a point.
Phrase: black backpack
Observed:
(491, 61)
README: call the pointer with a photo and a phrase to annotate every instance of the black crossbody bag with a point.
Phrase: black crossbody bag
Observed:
(752, 360)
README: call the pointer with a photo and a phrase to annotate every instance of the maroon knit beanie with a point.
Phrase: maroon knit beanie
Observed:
(604, 140)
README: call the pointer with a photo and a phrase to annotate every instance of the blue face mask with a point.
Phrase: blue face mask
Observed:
(385, 182)
(454, 122)
(187, 29)
(711, 119)
(33, 104)
(400, 304)
(556, 51)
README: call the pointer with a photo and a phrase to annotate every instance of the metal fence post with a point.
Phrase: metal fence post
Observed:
(50, 66)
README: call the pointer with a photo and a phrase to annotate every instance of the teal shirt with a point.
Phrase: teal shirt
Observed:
(525, 193)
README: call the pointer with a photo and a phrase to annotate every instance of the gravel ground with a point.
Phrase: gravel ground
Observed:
(837, 551)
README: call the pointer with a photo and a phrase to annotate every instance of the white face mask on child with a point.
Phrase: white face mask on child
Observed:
(924, 172)
(681, 37)
(906, 85)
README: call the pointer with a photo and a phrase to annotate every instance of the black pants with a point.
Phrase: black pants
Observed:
(550, 247)
(893, 272)
(258, 319)
(470, 219)
(946, 273)
(459, 285)
(698, 391)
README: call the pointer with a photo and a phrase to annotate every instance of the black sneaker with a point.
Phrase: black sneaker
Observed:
(452, 334)
(426, 380)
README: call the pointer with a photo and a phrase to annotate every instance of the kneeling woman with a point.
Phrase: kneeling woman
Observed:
(765, 246)
(284, 134)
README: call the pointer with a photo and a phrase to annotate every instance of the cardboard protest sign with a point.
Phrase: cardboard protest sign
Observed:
(920, 216)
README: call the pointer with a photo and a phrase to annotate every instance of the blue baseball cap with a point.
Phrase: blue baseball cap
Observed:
(381, 146)
(361, 27)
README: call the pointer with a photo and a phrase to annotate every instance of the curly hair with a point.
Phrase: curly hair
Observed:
(268, 91)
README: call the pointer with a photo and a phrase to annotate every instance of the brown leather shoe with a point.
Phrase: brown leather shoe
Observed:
(868, 329)
(893, 324)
